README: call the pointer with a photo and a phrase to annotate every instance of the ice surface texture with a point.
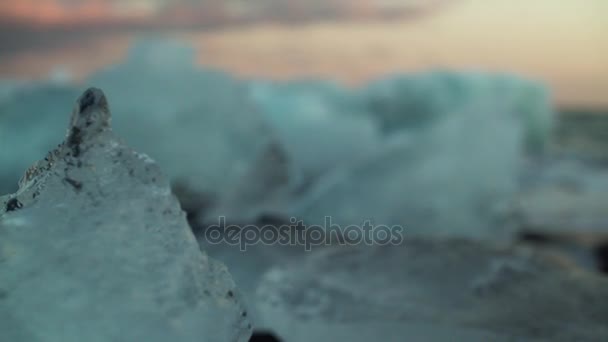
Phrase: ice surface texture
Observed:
(432, 290)
(94, 247)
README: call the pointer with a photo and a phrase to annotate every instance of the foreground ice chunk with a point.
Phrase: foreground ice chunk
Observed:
(93, 247)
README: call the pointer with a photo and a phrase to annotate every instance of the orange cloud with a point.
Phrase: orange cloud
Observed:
(54, 12)
(208, 12)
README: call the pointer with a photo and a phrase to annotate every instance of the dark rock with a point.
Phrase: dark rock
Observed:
(601, 255)
(263, 336)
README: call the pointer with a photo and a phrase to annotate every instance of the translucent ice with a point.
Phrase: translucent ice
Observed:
(93, 247)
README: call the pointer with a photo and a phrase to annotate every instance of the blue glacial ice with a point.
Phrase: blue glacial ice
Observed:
(436, 152)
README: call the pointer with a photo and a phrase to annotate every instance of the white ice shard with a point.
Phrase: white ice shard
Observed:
(94, 247)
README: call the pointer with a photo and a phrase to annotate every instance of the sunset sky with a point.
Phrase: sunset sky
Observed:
(60, 12)
(564, 43)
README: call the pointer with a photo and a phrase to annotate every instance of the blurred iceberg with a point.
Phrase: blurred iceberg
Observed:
(32, 120)
(198, 124)
(454, 177)
(435, 152)
(8, 88)
(315, 123)
(411, 102)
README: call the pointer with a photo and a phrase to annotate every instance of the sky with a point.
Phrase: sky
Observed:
(563, 43)
(61, 12)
